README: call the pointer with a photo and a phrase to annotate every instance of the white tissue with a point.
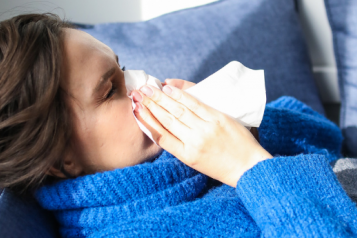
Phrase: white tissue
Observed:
(234, 90)
(134, 80)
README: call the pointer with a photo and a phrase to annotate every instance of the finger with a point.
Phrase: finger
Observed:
(161, 136)
(179, 83)
(173, 125)
(200, 109)
(179, 111)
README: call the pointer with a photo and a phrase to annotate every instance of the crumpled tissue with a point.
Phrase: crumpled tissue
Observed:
(234, 90)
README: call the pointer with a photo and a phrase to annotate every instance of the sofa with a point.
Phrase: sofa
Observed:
(192, 44)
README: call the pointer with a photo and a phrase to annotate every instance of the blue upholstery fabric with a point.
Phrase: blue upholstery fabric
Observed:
(342, 15)
(24, 218)
(194, 43)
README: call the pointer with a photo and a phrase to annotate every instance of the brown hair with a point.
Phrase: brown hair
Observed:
(34, 120)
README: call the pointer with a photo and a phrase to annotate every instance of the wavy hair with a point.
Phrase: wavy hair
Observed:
(34, 120)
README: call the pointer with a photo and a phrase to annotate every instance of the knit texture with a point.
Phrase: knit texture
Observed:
(295, 194)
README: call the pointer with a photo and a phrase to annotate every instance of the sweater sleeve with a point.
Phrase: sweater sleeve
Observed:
(297, 196)
(289, 127)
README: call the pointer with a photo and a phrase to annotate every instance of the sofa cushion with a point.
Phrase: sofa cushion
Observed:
(191, 44)
(342, 15)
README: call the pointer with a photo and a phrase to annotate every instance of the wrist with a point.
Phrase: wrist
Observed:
(257, 156)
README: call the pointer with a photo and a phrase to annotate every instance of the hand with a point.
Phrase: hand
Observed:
(178, 83)
(183, 85)
(198, 135)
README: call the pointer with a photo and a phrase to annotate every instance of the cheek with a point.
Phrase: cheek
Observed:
(116, 124)
(117, 134)
(112, 139)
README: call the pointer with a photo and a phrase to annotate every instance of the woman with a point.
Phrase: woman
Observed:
(65, 117)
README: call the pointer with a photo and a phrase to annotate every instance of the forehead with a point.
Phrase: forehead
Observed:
(79, 41)
(85, 59)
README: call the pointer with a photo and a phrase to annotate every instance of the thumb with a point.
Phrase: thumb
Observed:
(179, 83)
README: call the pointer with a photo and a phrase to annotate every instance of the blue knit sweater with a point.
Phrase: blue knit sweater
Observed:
(295, 194)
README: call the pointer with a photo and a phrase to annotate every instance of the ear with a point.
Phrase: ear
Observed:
(70, 165)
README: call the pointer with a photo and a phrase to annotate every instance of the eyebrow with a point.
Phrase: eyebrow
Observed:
(105, 77)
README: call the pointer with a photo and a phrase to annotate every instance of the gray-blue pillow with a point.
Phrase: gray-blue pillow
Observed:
(342, 15)
(192, 44)
(23, 217)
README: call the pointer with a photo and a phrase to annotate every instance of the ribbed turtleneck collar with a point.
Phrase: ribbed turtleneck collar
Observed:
(122, 185)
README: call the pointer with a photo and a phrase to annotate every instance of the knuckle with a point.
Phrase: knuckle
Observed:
(177, 95)
(222, 118)
(157, 97)
(180, 111)
(217, 126)
(219, 121)
(148, 103)
(213, 128)
(195, 105)
(168, 122)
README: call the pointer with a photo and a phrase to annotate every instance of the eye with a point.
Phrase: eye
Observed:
(111, 92)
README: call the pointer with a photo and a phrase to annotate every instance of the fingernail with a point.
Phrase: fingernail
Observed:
(167, 90)
(136, 96)
(147, 91)
(138, 107)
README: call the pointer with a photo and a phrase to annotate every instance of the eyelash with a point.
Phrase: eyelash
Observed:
(113, 89)
(111, 92)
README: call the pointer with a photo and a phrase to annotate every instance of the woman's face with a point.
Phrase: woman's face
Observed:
(105, 134)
